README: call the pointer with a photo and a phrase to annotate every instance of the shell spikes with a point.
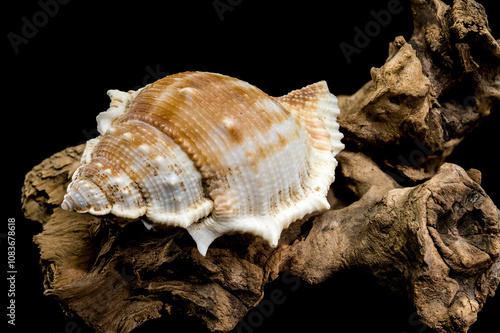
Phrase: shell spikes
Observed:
(211, 154)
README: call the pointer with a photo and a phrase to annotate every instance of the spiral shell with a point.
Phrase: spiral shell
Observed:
(212, 154)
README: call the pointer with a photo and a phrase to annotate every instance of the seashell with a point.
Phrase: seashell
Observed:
(212, 154)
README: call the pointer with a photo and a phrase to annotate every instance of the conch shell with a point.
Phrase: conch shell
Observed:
(212, 154)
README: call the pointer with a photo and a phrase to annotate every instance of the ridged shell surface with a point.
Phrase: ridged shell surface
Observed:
(212, 154)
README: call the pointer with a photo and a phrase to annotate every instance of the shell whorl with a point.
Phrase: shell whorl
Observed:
(212, 154)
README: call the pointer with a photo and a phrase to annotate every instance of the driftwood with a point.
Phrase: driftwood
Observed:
(419, 225)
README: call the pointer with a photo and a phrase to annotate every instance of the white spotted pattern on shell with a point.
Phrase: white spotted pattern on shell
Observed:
(212, 154)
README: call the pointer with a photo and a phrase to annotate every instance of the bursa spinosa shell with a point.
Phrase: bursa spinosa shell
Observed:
(211, 154)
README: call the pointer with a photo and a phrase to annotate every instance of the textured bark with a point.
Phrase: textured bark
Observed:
(429, 94)
(419, 226)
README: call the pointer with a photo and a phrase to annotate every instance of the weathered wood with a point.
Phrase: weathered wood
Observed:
(431, 92)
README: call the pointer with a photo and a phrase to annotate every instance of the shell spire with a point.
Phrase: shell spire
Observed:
(212, 154)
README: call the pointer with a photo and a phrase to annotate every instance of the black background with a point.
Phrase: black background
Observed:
(57, 81)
